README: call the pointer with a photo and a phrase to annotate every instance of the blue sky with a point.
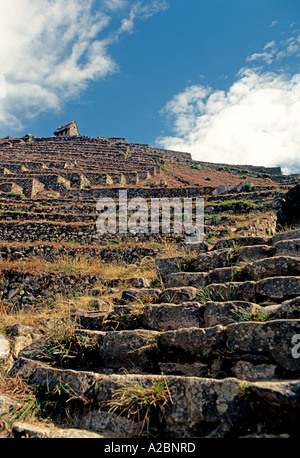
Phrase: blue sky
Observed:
(217, 78)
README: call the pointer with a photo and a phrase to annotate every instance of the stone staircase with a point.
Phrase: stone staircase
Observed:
(208, 350)
(212, 351)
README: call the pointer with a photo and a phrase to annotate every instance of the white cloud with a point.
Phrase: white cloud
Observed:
(268, 54)
(271, 52)
(139, 11)
(115, 5)
(256, 122)
(51, 49)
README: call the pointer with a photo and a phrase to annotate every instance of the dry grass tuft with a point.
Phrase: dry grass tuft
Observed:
(141, 402)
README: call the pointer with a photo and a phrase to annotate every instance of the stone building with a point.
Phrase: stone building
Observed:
(67, 130)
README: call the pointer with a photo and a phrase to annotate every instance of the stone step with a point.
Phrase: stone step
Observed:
(190, 406)
(276, 266)
(241, 241)
(210, 260)
(289, 309)
(194, 341)
(217, 348)
(225, 313)
(257, 270)
(111, 350)
(275, 338)
(227, 255)
(253, 253)
(167, 316)
(28, 430)
(273, 288)
(289, 235)
(140, 294)
(195, 279)
(171, 316)
(166, 266)
(178, 295)
(279, 288)
(287, 248)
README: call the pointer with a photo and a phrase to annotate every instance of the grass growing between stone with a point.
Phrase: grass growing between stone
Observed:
(142, 402)
(124, 320)
(25, 407)
(245, 389)
(204, 295)
(253, 315)
(65, 345)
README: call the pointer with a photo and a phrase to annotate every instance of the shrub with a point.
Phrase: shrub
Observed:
(115, 241)
(216, 220)
(248, 187)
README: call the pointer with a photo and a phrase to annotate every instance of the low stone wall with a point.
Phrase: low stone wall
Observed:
(25, 288)
(146, 193)
(127, 255)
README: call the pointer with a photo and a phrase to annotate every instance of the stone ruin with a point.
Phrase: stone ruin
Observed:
(218, 331)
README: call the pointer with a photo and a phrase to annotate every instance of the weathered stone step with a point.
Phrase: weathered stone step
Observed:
(195, 341)
(226, 313)
(22, 429)
(170, 316)
(195, 279)
(262, 268)
(211, 260)
(289, 309)
(112, 350)
(166, 266)
(289, 235)
(273, 288)
(191, 406)
(287, 248)
(254, 253)
(215, 259)
(178, 295)
(276, 266)
(241, 241)
(276, 288)
(279, 288)
(273, 337)
(217, 348)
(140, 294)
